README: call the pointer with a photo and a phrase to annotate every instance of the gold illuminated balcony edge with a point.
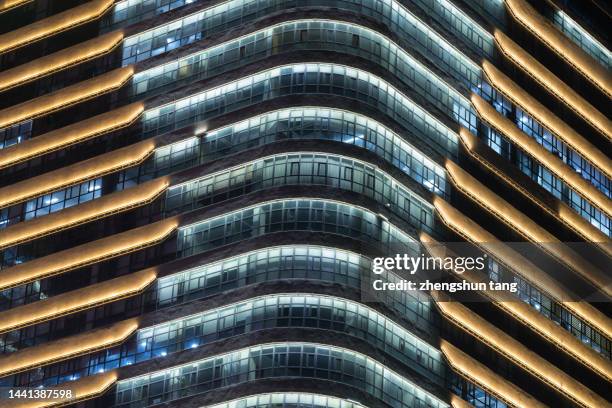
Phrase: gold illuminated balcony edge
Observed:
(546, 118)
(6, 5)
(525, 226)
(529, 18)
(82, 389)
(509, 258)
(584, 228)
(76, 173)
(114, 203)
(476, 372)
(458, 402)
(524, 313)
(87, 254)
(563, 213)
(76, 300)
(516, 352)
(550, 81)
(539, 153)
(66, 348)
(66, 97)
(54, 25)
(60, 60)
(71, 134)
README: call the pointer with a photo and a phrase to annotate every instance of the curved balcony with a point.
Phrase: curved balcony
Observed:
(315, 35)
(303, 168)
(248, 364)
(259, 276)
(285, 399)
(331, 317)
(389, 13)
(314, 78)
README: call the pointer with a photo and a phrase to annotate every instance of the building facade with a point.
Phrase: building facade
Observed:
(193, 194)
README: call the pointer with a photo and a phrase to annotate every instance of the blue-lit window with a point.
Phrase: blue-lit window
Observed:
(4, 218)
(15, 134)
(473, 394)
(71, 196)
(130, 11)
(20, 295)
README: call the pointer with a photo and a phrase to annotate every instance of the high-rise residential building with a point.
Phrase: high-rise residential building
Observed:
(195, 194)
